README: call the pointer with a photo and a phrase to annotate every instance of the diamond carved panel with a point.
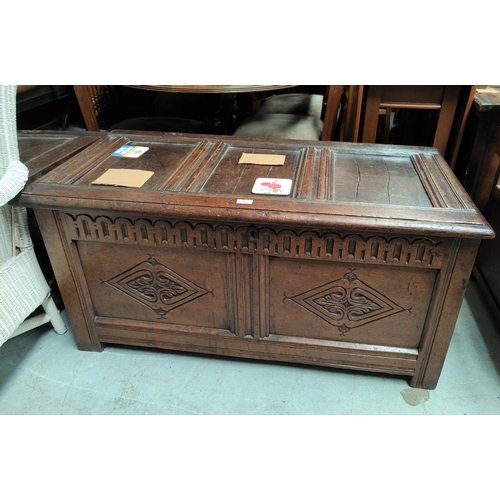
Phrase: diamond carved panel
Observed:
(156, 286)
(347, 303)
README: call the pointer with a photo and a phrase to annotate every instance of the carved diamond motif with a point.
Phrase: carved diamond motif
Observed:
(156, 286)
(347, 303)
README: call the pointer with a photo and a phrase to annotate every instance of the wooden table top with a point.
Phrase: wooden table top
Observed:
(211, 89)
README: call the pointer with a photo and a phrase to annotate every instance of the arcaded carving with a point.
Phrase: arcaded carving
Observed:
(419, 252)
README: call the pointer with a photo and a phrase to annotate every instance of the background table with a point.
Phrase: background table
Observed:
(95, 101)
(211, 89)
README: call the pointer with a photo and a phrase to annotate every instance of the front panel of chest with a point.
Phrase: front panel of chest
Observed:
(256, 282)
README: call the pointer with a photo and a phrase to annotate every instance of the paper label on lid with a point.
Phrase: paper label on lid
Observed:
(272, 186)
(129, 151)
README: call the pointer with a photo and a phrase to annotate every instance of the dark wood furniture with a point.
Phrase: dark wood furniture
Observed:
(332, 100)
(482, 169)
(443, 98)
(363, 266)
(452, 103)
(487, 153)
(46, 107)
(350, 117)
(94, 103)
(487, 267)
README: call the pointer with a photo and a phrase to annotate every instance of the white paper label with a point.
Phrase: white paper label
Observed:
(272, 186)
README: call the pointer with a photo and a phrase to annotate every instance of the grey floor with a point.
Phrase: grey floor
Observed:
(42, 373)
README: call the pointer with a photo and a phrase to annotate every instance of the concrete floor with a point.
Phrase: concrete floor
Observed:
(42, 373)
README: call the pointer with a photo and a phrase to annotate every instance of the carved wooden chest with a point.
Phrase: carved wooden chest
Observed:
(363, 265)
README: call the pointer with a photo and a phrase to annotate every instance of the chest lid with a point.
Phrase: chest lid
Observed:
(333, 185)
(42, 150)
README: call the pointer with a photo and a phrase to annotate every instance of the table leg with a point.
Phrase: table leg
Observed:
(219, 113)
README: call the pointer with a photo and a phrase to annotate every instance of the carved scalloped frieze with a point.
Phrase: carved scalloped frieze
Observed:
(418, 252)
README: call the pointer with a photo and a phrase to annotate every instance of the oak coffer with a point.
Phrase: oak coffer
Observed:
(334, 254)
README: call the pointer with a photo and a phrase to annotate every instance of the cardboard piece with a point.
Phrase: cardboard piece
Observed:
(261, 159)
(125, 177)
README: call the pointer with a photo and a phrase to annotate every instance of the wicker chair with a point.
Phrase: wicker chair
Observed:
(23, 288)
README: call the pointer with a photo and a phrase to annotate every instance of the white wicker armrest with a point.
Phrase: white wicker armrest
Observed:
(13, 181)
